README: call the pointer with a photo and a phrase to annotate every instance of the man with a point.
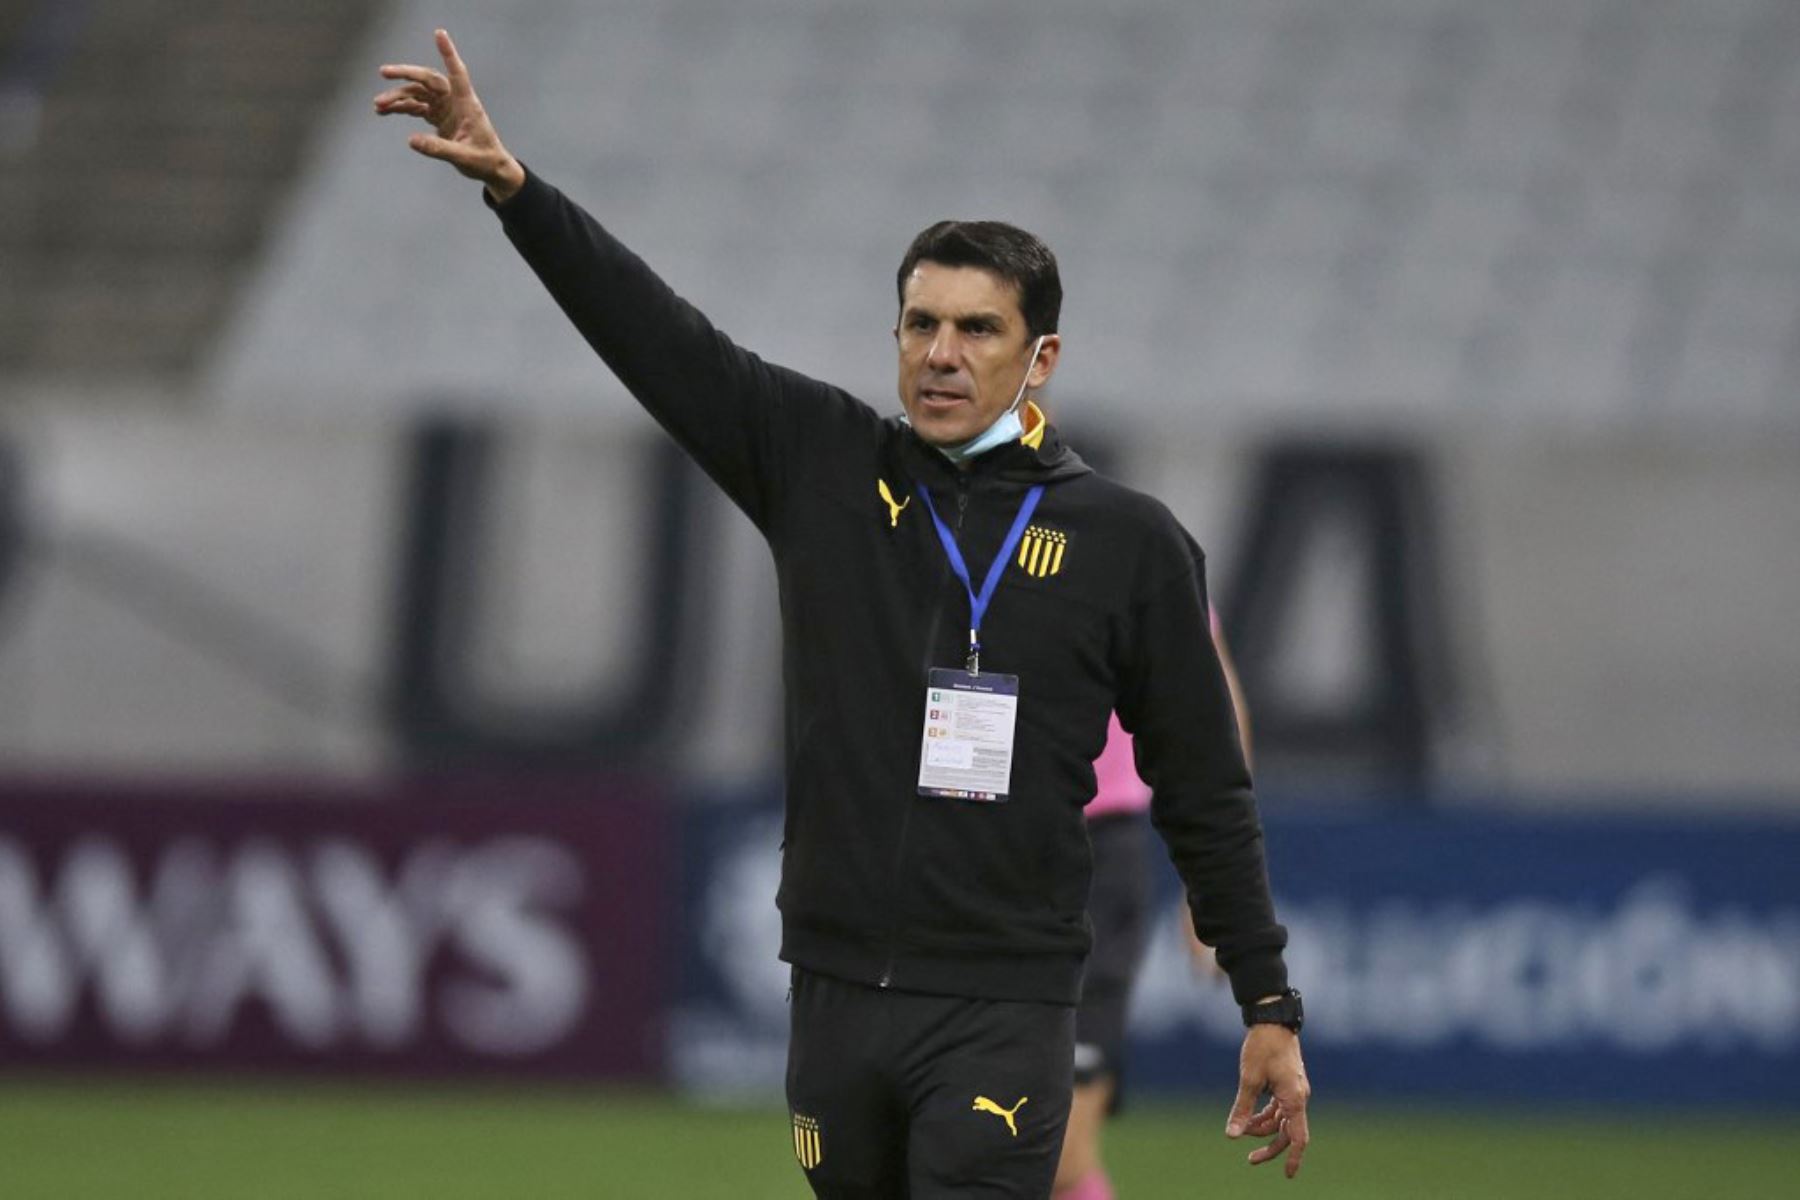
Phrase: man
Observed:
(963, 603)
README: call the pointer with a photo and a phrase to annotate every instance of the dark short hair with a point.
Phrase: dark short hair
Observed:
(1011, 254)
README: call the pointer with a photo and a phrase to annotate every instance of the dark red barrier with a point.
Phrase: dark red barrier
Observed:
(490, 925)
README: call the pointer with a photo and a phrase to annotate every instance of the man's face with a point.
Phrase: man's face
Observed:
(963, 351)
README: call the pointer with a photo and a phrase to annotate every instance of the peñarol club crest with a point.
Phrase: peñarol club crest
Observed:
(1041, 550)
(806, 1141)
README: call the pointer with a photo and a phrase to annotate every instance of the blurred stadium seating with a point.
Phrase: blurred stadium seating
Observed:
(144, 152)
(1577, 213)
(1569, 213)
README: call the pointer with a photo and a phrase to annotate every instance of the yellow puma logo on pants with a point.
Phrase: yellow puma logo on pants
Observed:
(888, 497)
(983, 1104)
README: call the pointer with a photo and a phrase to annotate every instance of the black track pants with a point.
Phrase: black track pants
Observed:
(901, 1096)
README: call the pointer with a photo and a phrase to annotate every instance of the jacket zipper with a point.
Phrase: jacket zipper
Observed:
(937, 613)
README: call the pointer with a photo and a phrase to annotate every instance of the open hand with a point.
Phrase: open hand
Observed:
(465, 137)
(1271, 1061)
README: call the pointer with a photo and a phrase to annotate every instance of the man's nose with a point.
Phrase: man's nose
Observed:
(945, 353)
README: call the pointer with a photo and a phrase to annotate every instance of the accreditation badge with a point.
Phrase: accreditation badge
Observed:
(967, 750)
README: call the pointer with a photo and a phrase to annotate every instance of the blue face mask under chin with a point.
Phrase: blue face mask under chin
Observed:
(1006, 428)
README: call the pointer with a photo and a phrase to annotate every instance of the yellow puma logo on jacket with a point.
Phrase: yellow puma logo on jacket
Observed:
(983, 1104)
(888, 497)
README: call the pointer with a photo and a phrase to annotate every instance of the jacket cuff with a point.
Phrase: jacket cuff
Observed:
(1260, 973)
(529, 198)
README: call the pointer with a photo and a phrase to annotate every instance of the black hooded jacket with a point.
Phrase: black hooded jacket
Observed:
(881, 885)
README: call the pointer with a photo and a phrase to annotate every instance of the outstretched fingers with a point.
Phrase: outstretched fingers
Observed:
(424, 77)
(461, 135)
(454, 65)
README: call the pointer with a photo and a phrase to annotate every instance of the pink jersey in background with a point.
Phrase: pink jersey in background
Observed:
(1117, 788)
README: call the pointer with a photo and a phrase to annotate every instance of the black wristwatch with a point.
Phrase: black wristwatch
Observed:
(1283, 1010)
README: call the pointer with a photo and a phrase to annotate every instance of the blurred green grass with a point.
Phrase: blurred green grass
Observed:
(66, 1138)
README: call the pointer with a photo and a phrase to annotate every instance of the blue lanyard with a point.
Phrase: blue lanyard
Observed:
(978, 603)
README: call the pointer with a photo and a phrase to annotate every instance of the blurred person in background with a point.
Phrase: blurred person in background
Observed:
(1120, 910)
(935, 863)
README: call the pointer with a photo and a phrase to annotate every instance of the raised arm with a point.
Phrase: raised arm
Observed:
(743, 420)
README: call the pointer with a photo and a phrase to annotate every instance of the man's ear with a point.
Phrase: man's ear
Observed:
(1047, 357)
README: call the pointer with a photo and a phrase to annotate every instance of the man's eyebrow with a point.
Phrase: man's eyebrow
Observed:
(990, 320)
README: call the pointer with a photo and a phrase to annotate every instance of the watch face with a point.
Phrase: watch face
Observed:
(1283, 1011)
